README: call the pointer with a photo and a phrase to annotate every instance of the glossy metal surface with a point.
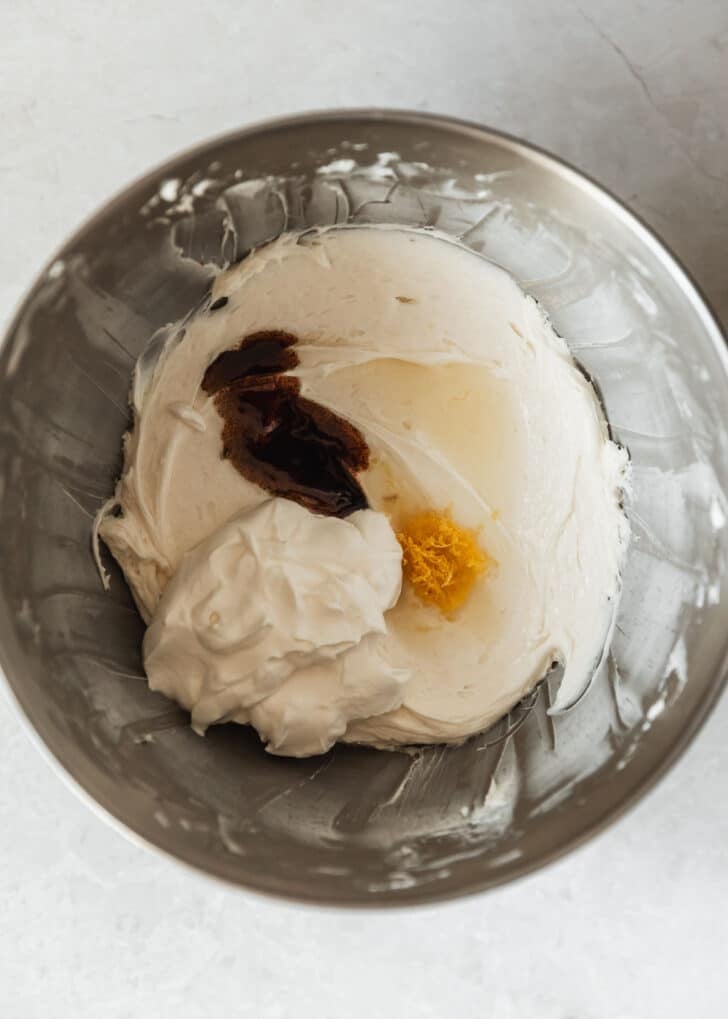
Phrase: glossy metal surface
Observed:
(359, 826)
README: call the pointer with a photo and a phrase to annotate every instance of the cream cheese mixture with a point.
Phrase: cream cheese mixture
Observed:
(479, 536)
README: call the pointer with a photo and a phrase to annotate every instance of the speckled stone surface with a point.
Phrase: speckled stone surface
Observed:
(630, 926)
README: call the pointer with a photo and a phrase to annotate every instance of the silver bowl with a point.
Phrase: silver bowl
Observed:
(358, 826)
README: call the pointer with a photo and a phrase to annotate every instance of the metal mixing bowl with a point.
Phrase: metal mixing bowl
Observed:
(360, 826)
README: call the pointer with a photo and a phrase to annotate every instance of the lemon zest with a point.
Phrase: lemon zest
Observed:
(441, 560)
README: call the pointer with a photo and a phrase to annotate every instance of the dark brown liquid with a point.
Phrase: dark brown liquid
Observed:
(290, 446)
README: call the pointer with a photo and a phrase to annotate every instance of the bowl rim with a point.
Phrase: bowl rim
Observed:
(700, 304)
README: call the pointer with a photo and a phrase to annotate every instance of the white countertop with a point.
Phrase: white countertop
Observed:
(634, 925)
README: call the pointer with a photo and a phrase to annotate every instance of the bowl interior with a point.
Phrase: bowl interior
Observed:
(361, 826)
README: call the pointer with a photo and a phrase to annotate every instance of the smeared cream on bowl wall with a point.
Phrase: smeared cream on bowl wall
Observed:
(469, 533)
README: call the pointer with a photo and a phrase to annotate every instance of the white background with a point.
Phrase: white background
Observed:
(91, 94)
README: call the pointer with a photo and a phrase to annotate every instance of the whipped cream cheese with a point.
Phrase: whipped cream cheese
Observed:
(470, 403)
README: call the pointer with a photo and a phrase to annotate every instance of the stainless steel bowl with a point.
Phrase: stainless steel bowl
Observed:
(359, 826)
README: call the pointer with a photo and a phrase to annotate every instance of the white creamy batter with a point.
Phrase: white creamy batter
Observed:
(469, 403)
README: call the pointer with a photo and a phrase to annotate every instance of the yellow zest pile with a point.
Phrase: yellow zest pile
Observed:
(441, 560)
